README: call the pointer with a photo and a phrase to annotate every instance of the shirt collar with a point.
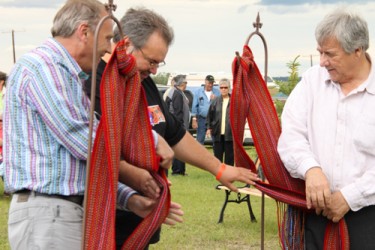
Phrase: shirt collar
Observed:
(69, 59)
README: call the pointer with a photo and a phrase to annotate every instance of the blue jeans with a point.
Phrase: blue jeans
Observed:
(201, 130)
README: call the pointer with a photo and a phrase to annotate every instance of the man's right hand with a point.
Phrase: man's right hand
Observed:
(165, 152)
(194, 123)
(318, 193)
(142, 206)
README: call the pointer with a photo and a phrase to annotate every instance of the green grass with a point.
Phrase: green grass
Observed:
(202, 204)
(200, 230)
(4, 206)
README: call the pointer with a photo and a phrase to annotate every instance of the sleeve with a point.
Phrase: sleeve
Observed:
(123, 194)
(178, 102)
(194, 107)
(293, 145)
(210, 115)
(58, 98)
(174, 131)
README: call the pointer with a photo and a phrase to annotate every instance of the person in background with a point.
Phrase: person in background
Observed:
(328, 132)
(201, 102)
(169, 89)
(148, 37)
(3, 79)
(218, 124)
(178, 105)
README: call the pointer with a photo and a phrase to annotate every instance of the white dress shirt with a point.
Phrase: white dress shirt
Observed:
(322, 127)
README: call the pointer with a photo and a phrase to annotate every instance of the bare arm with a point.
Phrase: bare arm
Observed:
(190, 151)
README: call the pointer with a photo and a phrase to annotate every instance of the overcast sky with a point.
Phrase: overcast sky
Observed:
(207, 32)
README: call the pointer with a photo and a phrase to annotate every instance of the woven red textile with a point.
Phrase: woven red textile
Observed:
(251, 101)
(124, 132)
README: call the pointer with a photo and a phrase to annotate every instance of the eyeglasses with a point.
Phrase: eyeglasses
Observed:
(223, 87)
(153, 63)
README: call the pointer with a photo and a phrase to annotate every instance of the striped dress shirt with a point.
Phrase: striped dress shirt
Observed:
(46, 121)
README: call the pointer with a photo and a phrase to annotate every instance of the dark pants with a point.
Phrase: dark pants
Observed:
(178, 167)
(201, 130)
(221, 148)
(126, 222)
(361, 227)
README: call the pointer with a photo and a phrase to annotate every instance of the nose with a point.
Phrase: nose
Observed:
(153, 70)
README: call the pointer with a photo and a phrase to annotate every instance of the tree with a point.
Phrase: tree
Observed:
(286, 87)
(161, 78)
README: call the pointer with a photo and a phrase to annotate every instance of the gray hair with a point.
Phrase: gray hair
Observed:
(74, 13)
(139, 24)
(225, 81)
(3, 76)
(347, 27)
(179, 79)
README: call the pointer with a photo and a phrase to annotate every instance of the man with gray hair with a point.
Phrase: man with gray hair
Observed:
(328, 127)
(178, 105)
(147, 37)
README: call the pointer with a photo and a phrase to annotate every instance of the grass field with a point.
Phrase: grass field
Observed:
(202, 204)
(4, 206)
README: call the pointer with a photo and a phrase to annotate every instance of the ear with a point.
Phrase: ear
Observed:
(83, 31)
(128, 44)
(127, 41)
(358, 52)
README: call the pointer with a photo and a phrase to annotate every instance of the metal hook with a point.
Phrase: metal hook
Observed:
(109, 7)
(257, 25)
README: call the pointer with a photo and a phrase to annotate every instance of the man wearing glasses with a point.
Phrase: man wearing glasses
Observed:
(148, 37)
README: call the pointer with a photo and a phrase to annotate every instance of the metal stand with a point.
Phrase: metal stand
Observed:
(257, 25)
(110, 7)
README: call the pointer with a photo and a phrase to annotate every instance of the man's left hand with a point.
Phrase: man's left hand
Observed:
(337, 208)
(231, 174)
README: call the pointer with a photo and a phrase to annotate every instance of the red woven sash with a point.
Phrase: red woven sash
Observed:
(251, 101)
(124, 132)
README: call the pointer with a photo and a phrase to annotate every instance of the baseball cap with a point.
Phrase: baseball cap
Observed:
(210, 78)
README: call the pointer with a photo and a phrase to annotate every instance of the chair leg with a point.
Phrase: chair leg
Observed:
(221, 218)
(252, 216)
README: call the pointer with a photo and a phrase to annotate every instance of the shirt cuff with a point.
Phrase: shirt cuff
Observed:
(123, 194)
(305, 166)
(355, 201)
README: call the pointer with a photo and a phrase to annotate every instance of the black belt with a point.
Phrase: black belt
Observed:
(77, 199)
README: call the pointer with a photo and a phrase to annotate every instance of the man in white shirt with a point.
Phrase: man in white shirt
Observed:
(328, 132)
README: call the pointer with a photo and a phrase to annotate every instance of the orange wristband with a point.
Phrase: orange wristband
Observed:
(221, 170)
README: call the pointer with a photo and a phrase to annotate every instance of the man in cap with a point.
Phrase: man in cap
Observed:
(201, 102)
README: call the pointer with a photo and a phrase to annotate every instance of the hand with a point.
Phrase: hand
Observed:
(231, 174)
(194, 123)
(148, 186)
(212, 96)
(337, 208)
(174, 215)
(208, 132)
(142, 206)
(139, 179)
(318, 193)
(165, 152)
